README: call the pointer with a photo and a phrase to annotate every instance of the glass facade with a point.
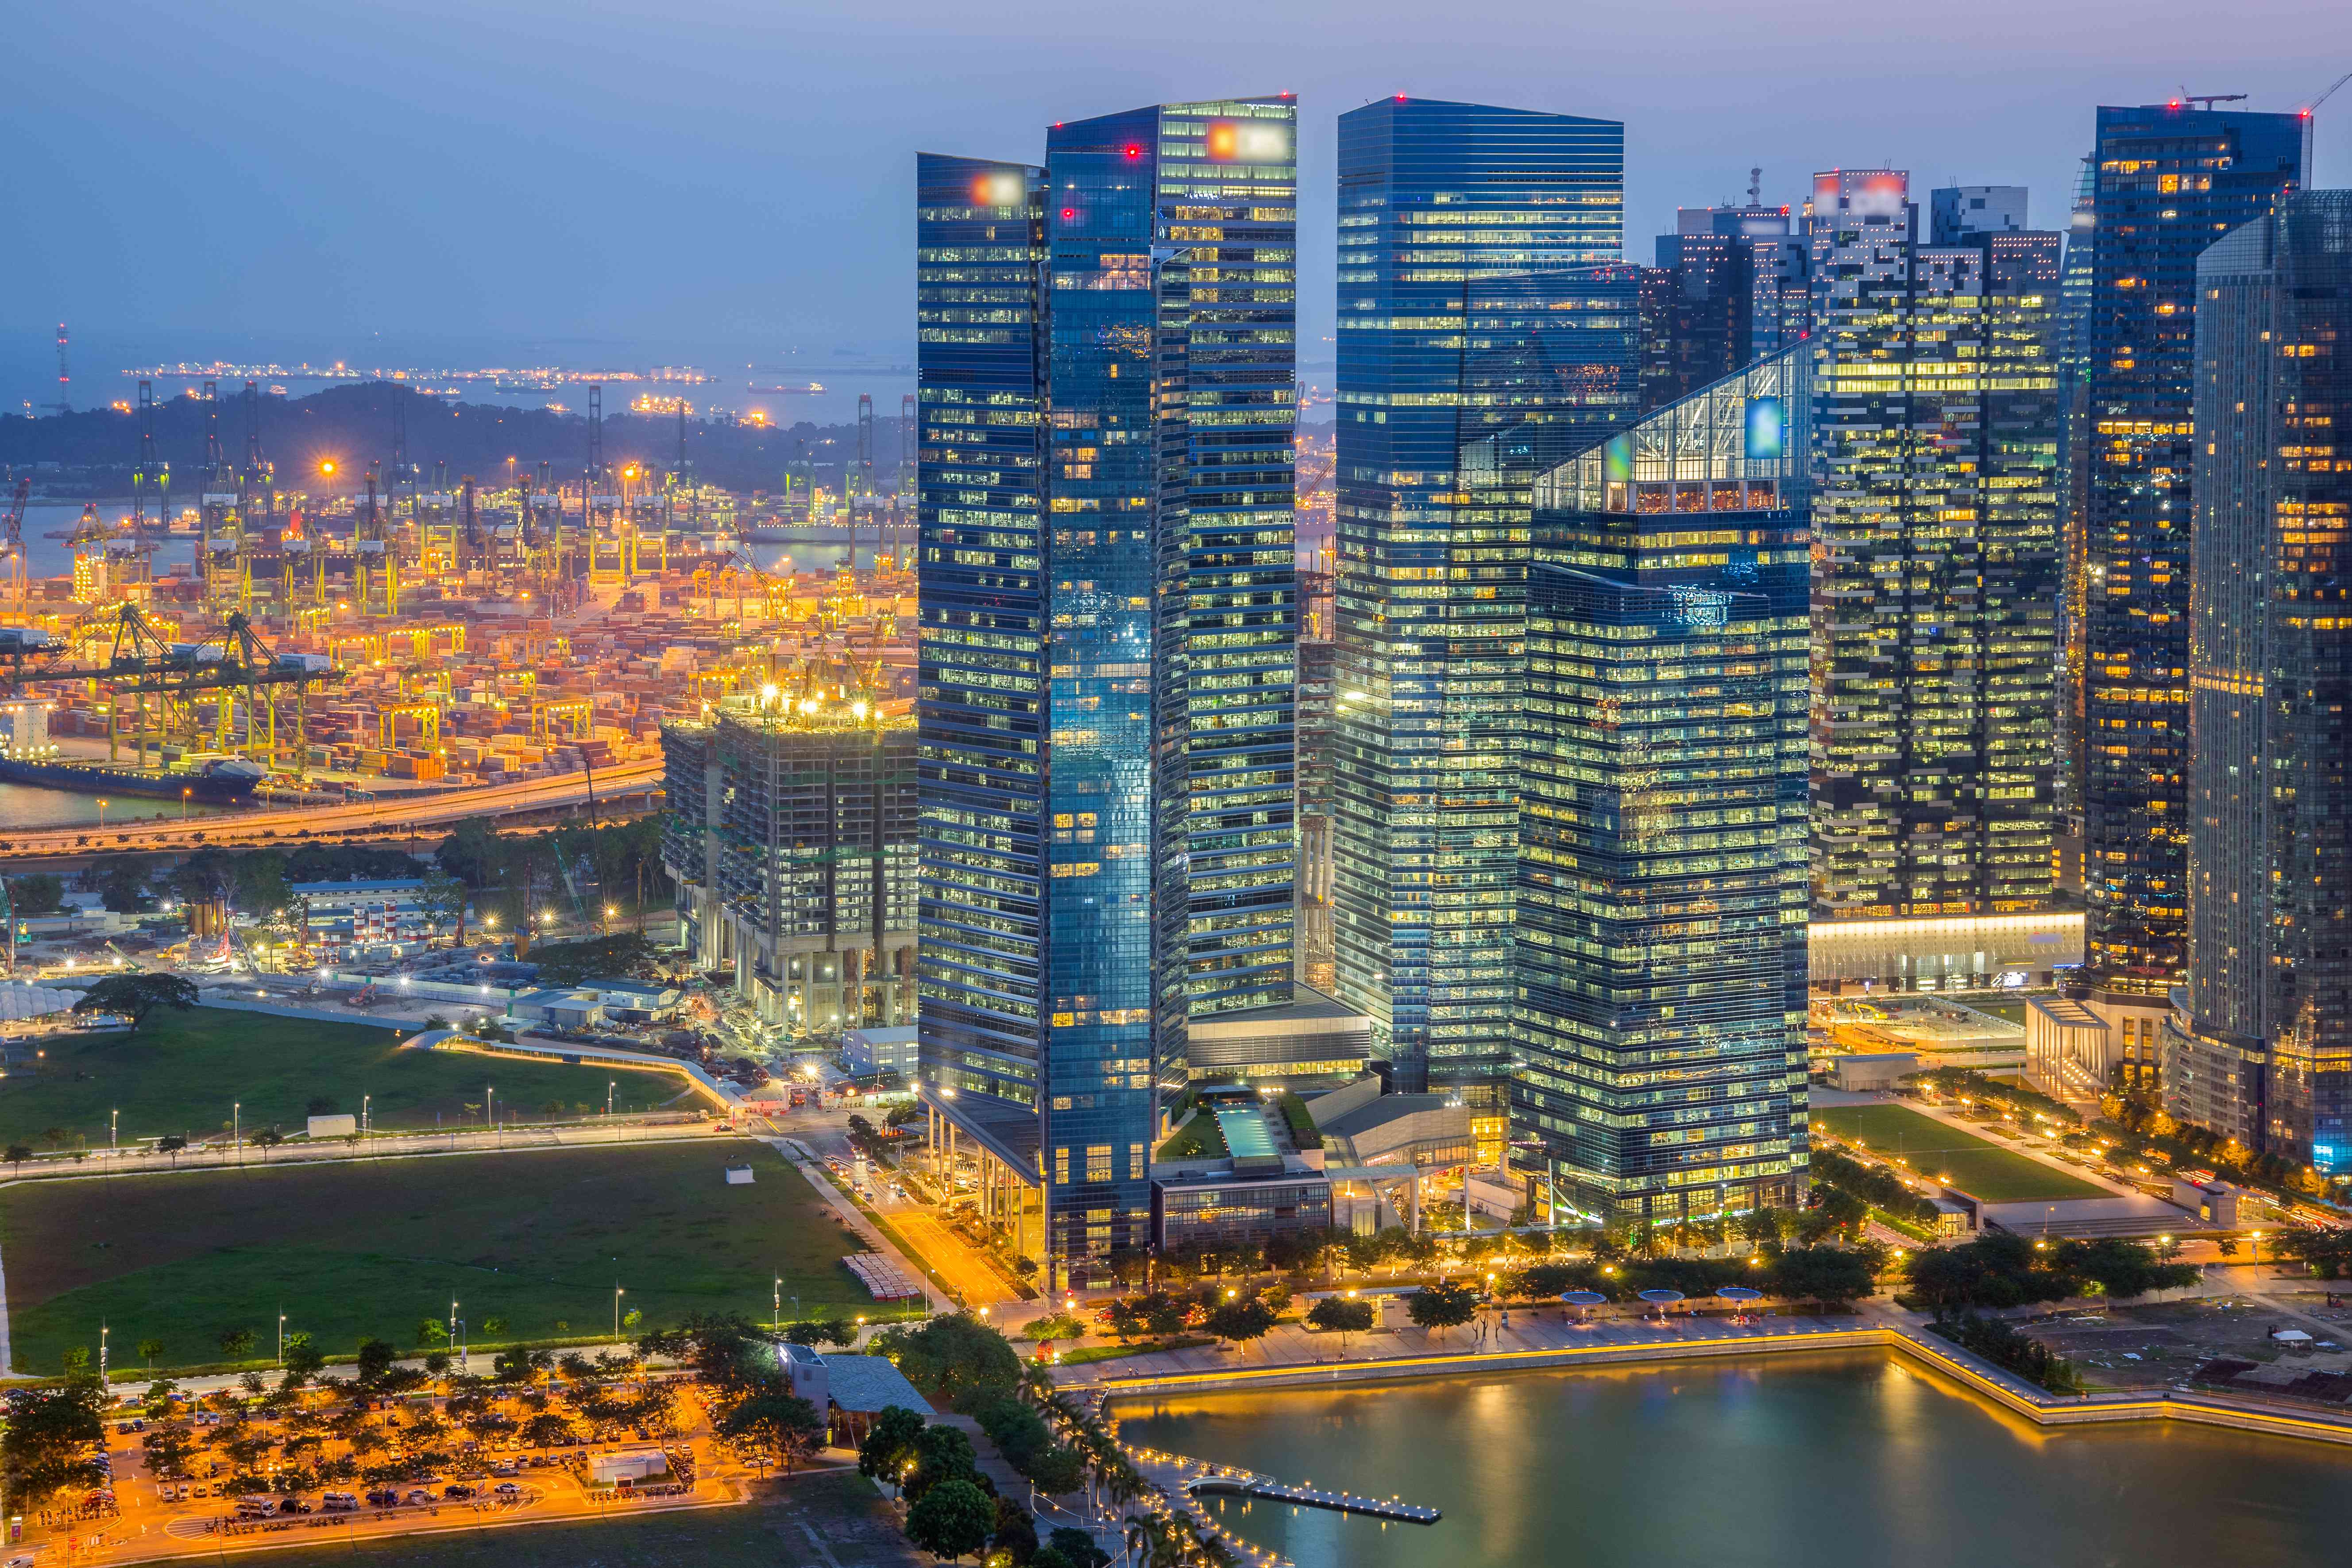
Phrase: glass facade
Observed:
(1660, 1019)
(2261, 1047)
(2171, 179)
(1935, 527)
(1106, 373)
(1478, 342)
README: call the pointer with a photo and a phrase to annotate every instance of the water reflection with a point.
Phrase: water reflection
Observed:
(1824, 1460)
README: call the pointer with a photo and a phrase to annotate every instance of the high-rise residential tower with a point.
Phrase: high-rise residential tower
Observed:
(2260, 1044)
(2172, 178)
(1107, 396)
(1934, 532)
(1478, 341)
(1662, 966)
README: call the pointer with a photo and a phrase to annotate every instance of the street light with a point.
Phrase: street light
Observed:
(618, 1294)
(101, 811)
(183, 803)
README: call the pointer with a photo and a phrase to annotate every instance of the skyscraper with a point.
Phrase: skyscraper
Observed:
(1728, 288)
(1661, 1016)
(1936, 537)
(2171, 179)
(1472, 320)
(1107, 400)
(2261, 1048)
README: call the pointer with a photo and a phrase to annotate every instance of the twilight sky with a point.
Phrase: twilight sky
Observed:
(629, 182)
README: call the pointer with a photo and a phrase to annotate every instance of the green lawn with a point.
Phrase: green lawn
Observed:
(844, 1510)
(1985, 1171)
(182, 1071)
(367, 1247)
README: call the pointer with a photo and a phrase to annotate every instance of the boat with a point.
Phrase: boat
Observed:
(224, 780)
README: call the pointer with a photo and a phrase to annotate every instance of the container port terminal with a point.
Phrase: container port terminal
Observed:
(375, 643)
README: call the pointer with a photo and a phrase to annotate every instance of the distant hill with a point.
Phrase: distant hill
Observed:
(353, 425)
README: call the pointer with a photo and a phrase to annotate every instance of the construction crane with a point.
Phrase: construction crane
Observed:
(12, 547)
(376, 567)
(153, 470)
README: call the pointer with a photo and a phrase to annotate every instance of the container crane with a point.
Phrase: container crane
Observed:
(12, 547)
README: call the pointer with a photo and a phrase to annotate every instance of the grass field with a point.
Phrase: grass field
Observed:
(182, 1072)
(1986, 1171)
(844, 1511)
(358, 1247)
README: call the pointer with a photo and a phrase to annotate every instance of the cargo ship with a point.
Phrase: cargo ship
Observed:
(224, 780)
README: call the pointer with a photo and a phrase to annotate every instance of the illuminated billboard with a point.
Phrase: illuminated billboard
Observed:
(1768, 427)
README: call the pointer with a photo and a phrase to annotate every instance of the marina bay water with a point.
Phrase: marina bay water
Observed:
(1839, 1460)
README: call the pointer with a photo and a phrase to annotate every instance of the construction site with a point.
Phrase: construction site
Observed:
(375, 624)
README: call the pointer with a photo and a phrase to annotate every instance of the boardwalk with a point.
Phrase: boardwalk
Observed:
(1246, 1483)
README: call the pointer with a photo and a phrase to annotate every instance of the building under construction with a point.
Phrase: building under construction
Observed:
(786, 808)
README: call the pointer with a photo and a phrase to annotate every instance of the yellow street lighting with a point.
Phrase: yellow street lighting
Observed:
(327, 467)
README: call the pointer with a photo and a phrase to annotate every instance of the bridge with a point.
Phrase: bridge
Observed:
(1246, 1483)
(372, 817)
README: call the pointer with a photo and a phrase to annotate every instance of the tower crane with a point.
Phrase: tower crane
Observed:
(13, 546)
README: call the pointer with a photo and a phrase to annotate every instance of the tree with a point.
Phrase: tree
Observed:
(17, 1154)
(375, 1359)
(303, 1359)
(47, 1431)
(235, 1344)
(1336, 1315)
(150, 1349)
(121, 884)
(952, 1518)
(889, 1443)
(432, 1331)
(785, 1424)
(959, 1358)
(2123, 1268)
(1442, 1306)
(443, 899)
(170, 1143)
(1818, 1273)
(1077, 1547)
(1015, 1536)
(941, 1454)
(41, 893)
(1241, 1320)
(134, 997)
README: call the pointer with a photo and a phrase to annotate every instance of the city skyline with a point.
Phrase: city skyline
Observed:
(636, 163)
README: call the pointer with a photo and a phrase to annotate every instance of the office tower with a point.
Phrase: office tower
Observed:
(785, 806)
(1956, 213)
(1318, 711)
(2172, 179)
(1468, 306)
(1106, 395)
(1730, 287)
(2260, 1045)
(2074, 454)
(1660, 1019)
(1935, 528)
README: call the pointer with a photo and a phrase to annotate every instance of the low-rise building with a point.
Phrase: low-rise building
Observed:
(870, 1053)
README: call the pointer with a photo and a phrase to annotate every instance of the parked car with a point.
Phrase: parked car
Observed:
(418, 1494)
(508, 1488)
(455, 1490)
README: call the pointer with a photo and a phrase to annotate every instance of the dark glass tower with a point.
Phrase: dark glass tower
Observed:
(1108, 613)
(2171, 179)
(1478, 342)
(1661, 1012)
(2261, 1050)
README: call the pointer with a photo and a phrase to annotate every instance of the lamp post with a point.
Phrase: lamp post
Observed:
(364, 1125)
(101, 812)
(618, 1294)
(236, 1129)
(183, 804)
(490, 1104)
(281, 1336)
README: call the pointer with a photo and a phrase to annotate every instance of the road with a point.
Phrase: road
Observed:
(319, 821)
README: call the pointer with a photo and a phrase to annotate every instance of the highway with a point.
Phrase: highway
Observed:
(375, 817)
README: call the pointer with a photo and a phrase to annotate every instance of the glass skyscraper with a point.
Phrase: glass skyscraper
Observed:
(1660, 1024)
(1107, 398)
(2260, 1047)
(1935, 523)
(2171, 179)
(1478, 341)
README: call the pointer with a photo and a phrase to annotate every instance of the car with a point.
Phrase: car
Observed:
(418, 1494)
(455, 1490)
(507, 1489)
(202, 1490)
(22, 1560)
(336, 1503)
(295, 1505)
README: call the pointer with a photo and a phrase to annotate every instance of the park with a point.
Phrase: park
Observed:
(189, 1073)
(533, 1244)
(1942, 1152)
